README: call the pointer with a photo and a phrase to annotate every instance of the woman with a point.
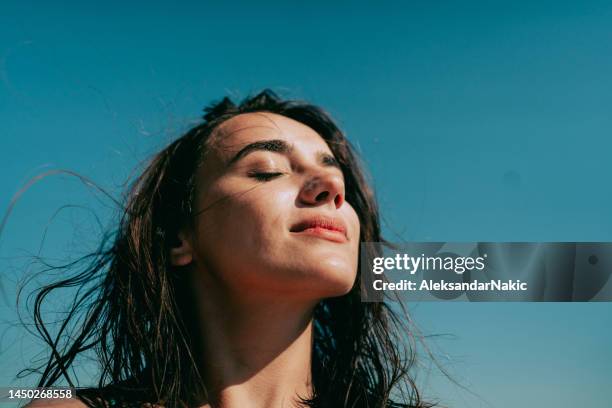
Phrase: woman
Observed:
(232, 278)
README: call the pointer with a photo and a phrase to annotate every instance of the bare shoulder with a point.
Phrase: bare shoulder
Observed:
(56, 403)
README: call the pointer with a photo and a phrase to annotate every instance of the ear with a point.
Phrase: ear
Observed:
(181, 254)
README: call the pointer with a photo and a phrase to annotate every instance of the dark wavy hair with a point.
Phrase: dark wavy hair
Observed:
(132, 307)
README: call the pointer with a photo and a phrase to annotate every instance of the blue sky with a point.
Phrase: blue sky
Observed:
(479, 121)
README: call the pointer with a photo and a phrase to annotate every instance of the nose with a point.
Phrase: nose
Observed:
(323, 188)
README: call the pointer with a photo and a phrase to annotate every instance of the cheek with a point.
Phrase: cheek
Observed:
(257, 219)
(354, 227)
(242, 229)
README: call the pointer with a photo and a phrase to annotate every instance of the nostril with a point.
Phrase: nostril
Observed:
(322, 196)
(338, 201)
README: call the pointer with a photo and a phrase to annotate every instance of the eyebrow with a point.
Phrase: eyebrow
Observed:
(279, 146)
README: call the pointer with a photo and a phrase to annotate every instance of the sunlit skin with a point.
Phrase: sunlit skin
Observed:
(258, 270)
(258, 280)
(248, 206)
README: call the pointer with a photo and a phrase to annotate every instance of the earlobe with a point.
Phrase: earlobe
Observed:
(181, 254)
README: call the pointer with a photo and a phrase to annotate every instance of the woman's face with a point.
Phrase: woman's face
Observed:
(272, 218)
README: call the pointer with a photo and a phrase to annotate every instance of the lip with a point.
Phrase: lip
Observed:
(330, 228)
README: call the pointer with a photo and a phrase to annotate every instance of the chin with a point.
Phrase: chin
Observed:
(335, 281)
(342, 290)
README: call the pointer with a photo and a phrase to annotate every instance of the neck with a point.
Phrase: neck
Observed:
(255, 353)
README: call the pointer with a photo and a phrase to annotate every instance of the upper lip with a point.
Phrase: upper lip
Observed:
(320, 221)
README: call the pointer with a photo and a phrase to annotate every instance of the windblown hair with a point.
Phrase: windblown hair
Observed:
(133, 306)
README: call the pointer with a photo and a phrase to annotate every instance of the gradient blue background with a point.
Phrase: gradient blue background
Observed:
(479, 121)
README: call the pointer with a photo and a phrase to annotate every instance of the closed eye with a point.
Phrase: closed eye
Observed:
(264, 176)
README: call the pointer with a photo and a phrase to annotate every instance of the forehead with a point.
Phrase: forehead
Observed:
(246, 128)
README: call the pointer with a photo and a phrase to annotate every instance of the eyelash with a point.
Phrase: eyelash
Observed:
(263, 176)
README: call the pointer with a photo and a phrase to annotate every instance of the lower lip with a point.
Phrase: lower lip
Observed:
(330, 235)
